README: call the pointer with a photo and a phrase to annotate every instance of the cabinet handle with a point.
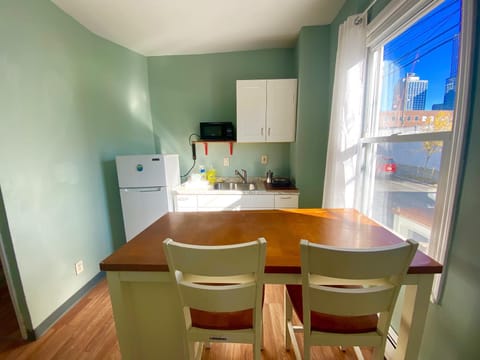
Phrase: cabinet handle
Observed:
(285, 197)
(261, 131)
(268, 131)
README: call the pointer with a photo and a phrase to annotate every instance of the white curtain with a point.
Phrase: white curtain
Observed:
(346, 115)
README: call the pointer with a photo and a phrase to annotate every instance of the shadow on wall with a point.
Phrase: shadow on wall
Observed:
(113, 203)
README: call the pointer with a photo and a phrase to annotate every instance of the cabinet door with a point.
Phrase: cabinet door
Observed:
(257, 202)
(286, 201)
(251, 109)
(281, 110)
(219, 202)
(184, 203)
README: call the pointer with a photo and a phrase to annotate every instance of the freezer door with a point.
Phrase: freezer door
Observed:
(142, 207)
(140, 171)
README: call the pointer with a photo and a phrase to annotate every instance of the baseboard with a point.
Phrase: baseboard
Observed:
(62, 309)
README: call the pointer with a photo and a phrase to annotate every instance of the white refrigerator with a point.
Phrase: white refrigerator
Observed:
(146, 183)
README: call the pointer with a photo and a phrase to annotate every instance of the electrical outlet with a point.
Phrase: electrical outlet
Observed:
(226, 161)
(79, 267)
(264, 159)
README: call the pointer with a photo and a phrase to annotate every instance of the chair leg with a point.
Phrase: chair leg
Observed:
(358, 352)
(306, 349)
(287, 318)
(293, 340)
(289, 329)
(257, 350)
(192, 350)
(378, 353)
(263, 340)
(258, 343)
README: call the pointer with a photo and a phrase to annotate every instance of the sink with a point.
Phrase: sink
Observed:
(234, 186)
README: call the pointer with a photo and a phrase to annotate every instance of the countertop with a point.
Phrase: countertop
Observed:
(283, 230)
(261, 187)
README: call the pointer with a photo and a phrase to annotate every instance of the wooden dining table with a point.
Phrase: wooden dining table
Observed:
(147, 316)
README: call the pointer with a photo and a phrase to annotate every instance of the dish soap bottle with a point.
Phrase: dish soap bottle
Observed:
(202, 171)
(211, 175)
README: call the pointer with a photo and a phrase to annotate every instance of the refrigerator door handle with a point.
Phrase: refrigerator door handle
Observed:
(151, 189)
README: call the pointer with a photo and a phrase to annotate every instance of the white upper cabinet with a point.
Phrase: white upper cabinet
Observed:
(281, 110)
(266, 110)
(251, 110)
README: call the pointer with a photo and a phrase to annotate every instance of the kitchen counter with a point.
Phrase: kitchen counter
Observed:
(200, 196)
(261, 187)
(254, 195)
(143, 295)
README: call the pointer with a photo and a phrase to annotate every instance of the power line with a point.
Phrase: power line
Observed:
(409, 36)
(424, 47)
(420, 29)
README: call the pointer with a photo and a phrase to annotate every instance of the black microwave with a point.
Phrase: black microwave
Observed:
(217, 131)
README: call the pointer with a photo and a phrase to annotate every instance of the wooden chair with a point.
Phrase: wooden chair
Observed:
(347, 296)
(220, 290)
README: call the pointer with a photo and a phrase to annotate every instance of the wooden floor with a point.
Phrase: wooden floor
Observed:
(87, 332)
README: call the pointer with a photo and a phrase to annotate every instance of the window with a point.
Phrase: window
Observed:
(418, 63)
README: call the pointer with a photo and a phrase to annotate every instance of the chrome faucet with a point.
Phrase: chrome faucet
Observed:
(242, 175)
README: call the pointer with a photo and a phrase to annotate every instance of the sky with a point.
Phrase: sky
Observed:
(426, 48)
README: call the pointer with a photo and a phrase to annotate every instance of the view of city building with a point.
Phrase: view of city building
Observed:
(415, 121)
(450, 82)
(404, 99)
(410, 93)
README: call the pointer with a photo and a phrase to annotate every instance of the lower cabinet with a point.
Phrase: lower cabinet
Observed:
(185, 203)
(286, 201)
(219, 202)
(234, 202)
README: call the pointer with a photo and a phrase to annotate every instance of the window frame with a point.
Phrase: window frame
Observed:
(396, 17)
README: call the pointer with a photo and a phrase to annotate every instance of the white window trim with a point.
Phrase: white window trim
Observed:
(395, 17)
(450, 186)
(425, 136)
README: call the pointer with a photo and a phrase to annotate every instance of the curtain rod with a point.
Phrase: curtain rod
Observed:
(369, 7)
(359, 18)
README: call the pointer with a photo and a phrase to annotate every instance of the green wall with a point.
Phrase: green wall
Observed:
(69, 102)
(308, 153)
(453, 326)
(186, 90)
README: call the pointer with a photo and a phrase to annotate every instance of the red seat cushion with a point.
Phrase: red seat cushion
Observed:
(222, 321)
(332, 323)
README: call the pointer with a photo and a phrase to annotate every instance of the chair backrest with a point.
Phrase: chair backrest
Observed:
(223, 278)
(353, 282)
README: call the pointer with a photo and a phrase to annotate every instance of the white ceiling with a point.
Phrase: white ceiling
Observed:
(171, 27)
